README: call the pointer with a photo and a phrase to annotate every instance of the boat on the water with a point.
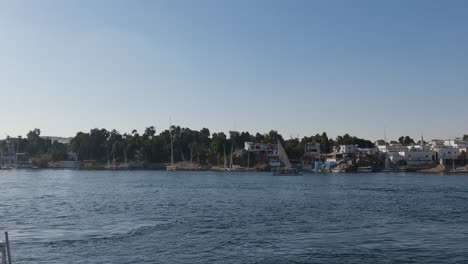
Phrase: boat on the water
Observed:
(365, 169)
(394, 170)
(288, 169)
(236, 168)
(459, 170)
(232, 167)
(182, 165)
(286, 172)
(338, 170)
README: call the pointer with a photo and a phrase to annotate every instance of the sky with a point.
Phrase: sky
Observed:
(299, 67)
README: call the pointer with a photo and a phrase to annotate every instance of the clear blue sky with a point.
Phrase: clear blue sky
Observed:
(300, 67)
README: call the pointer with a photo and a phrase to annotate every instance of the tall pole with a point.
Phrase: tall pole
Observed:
(17, 150)
(225, 161)
(7, 244)
(232, 153)
(172, 141)
(172, 148)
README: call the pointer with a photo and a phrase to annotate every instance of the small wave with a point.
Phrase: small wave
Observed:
(97, 237)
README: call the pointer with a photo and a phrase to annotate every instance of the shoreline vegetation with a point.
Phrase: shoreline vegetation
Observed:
(188, 149)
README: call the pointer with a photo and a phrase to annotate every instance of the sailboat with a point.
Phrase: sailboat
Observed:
(172, 166)
(113, 165)
(189, 165)
(388, 162)
(232, 167)
(225, 160)
(183, 165)
(108, 165)
(125, 165)
(283, 157)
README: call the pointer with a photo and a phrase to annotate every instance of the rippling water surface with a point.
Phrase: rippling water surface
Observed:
(60, 216)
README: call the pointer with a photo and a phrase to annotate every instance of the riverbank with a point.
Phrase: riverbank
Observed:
(435, 170)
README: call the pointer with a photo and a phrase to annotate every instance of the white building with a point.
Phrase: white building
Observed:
(459, 143)
(255, 147)
(270, 149)
(418, 156)
(345, 149)
(443, 152)
(395, 157)
(392, 148)
(462, 146)
(437, 142)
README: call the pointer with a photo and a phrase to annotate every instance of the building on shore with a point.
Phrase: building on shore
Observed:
(395, 148)
(261, 147)
(312, 151)
(443, 152)
(462, 146)
(368, 151)
(417, 157)
(9, 155)
(345, 149)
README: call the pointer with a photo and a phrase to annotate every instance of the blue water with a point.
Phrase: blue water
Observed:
(207, 217)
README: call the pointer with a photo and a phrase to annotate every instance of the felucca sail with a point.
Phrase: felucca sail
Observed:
(283, 157)
(387, 161)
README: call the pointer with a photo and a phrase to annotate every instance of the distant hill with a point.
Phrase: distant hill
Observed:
(64, 140)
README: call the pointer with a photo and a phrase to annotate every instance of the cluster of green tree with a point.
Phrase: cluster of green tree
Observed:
(36, 146)
(406, 141)
(189, 144)
(295, 147)
(103, 145)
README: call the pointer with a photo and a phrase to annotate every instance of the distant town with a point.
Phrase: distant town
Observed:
(179, 148)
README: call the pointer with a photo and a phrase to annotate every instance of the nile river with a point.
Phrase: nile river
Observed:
(63, 216)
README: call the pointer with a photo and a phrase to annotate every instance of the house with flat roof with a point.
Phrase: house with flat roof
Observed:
(345, 149)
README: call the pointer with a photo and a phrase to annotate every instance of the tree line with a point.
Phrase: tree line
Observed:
(202, 146)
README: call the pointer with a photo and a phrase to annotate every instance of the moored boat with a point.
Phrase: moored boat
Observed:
(365, 169)
(286, 172)
(287, 169)
(338, 170)
(459, 170)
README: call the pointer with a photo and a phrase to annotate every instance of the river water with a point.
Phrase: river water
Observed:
(65, 216)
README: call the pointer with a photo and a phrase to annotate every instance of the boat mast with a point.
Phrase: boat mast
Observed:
(172, 142)
(113, 154)
(453, 157)
(232, 152)
(17, 150)
(198, 153)
(225, 161)
(191, 156)
(387, 164)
